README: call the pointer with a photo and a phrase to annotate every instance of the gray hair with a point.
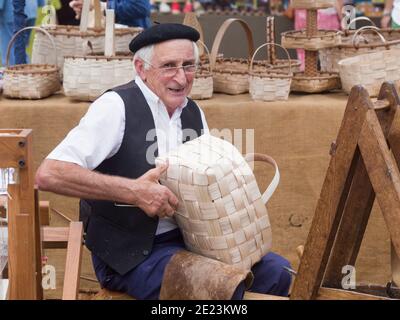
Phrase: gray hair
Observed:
(146, 54)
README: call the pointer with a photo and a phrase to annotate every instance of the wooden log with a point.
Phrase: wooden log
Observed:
(332, 199)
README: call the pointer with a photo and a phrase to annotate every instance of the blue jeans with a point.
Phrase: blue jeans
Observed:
(144, 281)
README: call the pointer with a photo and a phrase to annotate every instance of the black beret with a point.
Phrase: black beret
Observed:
(163, 32)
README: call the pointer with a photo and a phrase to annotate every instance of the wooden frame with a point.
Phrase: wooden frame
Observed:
(25, 213)
(361, 168)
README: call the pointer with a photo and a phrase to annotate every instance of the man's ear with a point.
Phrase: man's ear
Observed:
(139, 67)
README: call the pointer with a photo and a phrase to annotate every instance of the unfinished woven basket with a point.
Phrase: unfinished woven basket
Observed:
(370, 70)
(231, 75)
(31, 81)
(87, 77)
(269, 84)
(203, 84)
(221, 212)
(72, 40)
(352, 45)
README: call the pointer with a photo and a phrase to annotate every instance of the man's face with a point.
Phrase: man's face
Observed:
(171, 87)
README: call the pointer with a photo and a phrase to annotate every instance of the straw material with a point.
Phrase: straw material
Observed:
(86, 78)
(231, 75)
(203, 84)
(370, 70)
(312, 4)
(300, 40)
(70, 41)
(31, 81)
(221, 212)
(319, 83)
(369, 42)
(34, 81)
(269, 84)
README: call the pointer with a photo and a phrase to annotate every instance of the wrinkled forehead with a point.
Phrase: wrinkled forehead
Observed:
(174, 50)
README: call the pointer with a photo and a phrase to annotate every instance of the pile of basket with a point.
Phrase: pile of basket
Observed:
(221, 212)
(72, 40)
(86, 77)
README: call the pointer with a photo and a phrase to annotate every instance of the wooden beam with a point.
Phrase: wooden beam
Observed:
(338, 294)
(73, 262)
(55, 237)
(328, 213)
(44, 210)
(383, 173)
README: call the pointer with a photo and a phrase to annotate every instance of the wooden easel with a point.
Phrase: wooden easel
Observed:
(365, 161)
(25, 234)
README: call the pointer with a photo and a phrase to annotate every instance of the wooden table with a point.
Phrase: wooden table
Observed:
(297, 133)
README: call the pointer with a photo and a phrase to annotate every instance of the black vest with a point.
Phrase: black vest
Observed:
(123, 236)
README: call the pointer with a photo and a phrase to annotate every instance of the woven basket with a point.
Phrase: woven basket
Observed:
(31, 81)
(269, 84)
(300, 39)
(320, 83)
(72, 40)
(312, 4)
(370, 70)
(221, 212)
(352, 46)
(87, 77)
(203, 81)
(231, 75)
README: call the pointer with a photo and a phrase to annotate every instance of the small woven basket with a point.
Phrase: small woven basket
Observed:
(354, 44)
(221, 212)
(269, 84)
(300, 40)
(231, 75)
(87, 77)
(370, 70)
(203, 84)
(31, 81)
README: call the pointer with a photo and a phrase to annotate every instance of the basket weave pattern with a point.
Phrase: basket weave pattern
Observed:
(370, 70)
(31, 81)
(221, 211)
(202, 87)
(300, 40)
(86, 78)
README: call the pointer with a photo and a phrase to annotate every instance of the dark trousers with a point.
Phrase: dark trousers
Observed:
(144, 281)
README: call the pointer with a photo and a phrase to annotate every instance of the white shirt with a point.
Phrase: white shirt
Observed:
(396, 11)
(99, 134)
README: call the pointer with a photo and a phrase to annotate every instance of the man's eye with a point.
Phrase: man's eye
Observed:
(168, 65)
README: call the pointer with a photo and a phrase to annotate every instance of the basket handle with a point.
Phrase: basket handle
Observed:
(85, 15)
(208, 54)
(31, 28)
(271, 44)
(221, 33)
(371, 28)
(346, 30)
(271, 57)
(275, 180)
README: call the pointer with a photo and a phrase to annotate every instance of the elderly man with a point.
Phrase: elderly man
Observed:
(106, 162)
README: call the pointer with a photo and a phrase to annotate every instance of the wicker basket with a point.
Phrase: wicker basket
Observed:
(72, 40)
(203, 81)
(221, 212)
(87, 77)
(352, 46)
(370, 70)
(231, 75)
(322, 82)
(269, 84)
(31, 81)
(300, 39)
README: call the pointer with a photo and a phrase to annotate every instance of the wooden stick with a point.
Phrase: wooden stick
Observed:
(109, 50)
(84, 16)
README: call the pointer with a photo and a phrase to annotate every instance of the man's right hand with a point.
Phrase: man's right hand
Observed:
(77, 6)
(154, 198)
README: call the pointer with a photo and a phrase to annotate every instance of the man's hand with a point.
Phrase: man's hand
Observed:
(77, 6)
(155, 199)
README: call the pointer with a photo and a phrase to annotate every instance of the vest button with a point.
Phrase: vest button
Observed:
(145, 252)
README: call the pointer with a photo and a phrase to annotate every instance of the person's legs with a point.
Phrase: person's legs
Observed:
(6, 32)
(144, 281)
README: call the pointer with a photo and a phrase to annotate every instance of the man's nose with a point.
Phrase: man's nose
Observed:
(180, 76)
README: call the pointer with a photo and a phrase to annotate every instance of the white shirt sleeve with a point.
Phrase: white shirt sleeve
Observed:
(205, 125)
(98, 135)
